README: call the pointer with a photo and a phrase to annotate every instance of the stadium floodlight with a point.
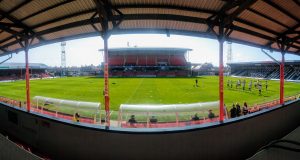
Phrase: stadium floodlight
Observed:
(63, 58)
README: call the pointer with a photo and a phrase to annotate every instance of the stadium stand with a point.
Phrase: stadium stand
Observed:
(15, 71)
(148, 62)
(266, 70)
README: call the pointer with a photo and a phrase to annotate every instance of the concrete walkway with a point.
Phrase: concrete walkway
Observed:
(286, 148)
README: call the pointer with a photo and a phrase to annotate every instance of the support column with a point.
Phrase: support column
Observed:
(106, 81)
(221, 76)
(27, 76)
(282, 78)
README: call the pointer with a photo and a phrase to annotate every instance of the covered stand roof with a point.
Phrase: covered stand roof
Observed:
(22, 66)
(147, 50)
(259, 23)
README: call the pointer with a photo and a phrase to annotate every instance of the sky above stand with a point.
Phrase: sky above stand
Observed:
(84, 51)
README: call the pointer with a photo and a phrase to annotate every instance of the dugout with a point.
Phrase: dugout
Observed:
(167, 115)
(70, 106)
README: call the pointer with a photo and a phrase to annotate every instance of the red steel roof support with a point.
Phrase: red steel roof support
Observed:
(284, 46)
(27, 76)
(282, 79)
(221, 80)
(106, 82)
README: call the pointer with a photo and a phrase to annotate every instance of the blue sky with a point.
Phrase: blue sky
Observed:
(85, 51)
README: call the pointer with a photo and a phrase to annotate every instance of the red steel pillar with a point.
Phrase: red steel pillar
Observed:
(27, 76)
(106, 81)
(221, 71)
(282, 79)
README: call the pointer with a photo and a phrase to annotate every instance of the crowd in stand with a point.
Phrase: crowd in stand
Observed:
(18, 77)
(237, 110)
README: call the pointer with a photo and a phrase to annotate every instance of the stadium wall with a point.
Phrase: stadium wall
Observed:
(10, 151)
(237, 138)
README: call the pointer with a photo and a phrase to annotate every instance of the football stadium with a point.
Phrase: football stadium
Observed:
(150, 102)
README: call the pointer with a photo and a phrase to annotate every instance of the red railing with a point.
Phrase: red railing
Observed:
(125, 124)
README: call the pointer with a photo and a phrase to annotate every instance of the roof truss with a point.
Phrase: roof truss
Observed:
(105, 13)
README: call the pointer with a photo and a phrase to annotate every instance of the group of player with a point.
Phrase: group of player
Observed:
(242, 84)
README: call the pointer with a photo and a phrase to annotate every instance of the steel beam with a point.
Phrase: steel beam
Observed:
(268, 18)
(16, 8)
(148, 16)
(282, 78)
(289, 31)
(297, 2)
(103, 10)
(274, 5)
(27, 77)
(106, 81)
(19, 23)
(47, 9)
(221, 72)
(284, 46)
(142, 6)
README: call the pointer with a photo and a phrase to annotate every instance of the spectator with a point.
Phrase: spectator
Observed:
(233, 111)
(196, 82)
(76, 117)
(225, 111)
(245, 109)
(195, 117)
(238, 110)
(211, 114)
(132, 119)
(153, 119)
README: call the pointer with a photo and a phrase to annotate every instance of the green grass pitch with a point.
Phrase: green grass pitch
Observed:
(145, 90)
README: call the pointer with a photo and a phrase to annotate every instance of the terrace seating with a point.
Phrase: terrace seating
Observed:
(147, 65)
(177, 60)
(129, 74)
(116, 60)
(182, 73)
(142, 61)
(151, 60)
(166, 74)
(131, 60)
(117, 73)
(271, 72)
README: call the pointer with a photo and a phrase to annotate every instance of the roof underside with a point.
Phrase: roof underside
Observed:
(259, 23)
(287, 62)
(138, 50)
